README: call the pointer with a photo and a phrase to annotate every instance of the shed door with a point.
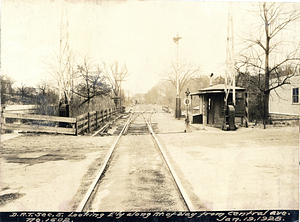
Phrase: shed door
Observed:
(210, 111)
(214, 110)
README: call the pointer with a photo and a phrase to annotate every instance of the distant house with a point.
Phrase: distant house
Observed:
(284, 101)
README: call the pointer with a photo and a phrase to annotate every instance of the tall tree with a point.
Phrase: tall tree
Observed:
(27, 94)
(92, 82)
(181, 74)
(115, 76)
(264, 54)
(6, 88)
(61, 67)
(46, 99)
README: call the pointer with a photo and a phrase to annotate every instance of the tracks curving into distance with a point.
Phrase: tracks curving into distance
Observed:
(184, 197)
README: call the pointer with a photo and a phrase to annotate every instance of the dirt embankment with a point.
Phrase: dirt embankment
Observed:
(48, 172)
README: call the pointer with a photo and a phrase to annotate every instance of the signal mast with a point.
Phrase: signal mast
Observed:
(230, 60)
(230, 69)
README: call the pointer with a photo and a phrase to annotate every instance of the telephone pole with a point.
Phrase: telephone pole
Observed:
(230, 60)
(178, 102)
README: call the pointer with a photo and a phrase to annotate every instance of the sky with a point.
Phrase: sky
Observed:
(136, 33)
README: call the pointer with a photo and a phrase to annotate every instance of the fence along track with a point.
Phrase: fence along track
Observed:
(182, 192)
(38, 128)
(91, 120)
(48, 124)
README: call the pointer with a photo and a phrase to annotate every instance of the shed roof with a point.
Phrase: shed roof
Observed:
(220, 88)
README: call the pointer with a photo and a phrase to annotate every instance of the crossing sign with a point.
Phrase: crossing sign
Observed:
(187, 101)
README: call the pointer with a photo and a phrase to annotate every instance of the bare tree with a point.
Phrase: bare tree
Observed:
(46, 99)
(42, 87)
(26, 93)
(22, 90)
(263, 55)
(61, 67)
(182, 73)
(115, 76)
(6, 88)
(92, 81)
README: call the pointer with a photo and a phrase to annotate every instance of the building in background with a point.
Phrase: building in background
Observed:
(284, 103)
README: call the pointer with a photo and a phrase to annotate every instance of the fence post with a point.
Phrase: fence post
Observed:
(102, 116)
(4, 119)
(246, 109)
(76, 125)
(96, 119)
(89, 126)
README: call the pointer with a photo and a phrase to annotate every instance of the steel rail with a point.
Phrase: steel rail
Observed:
(103, 167)
(181, 189)
(131, 120)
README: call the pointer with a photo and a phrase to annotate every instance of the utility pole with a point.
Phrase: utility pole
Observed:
(65, 72)
(229, 109)
(118, 84)
(178, 102)
(230, 60)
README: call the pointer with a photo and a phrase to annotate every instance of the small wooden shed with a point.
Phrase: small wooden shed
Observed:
(212, 110)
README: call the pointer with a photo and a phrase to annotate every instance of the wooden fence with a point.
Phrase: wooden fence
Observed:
(22, 109)
(92, 120)
(49, 124)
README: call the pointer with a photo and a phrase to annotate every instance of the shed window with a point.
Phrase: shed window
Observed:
(295, 95)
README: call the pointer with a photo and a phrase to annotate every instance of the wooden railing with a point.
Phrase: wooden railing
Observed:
(38, 123)
(41, 123)
(92, 120)
(22, 109)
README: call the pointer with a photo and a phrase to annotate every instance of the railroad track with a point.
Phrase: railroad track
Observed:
(149, 175)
